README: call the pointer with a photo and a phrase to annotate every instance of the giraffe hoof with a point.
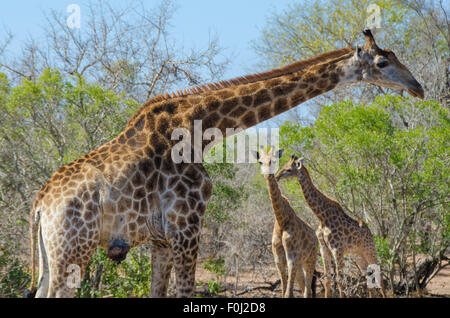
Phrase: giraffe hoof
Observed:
(118, 250)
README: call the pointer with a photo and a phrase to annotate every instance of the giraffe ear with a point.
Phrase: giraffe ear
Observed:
(279, 153)
(358, 52)
(299, 163)
(255, 154)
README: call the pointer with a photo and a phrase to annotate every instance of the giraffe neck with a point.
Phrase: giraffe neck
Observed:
(242, 103)
(315, 199)
(246, 105)
(278, 203)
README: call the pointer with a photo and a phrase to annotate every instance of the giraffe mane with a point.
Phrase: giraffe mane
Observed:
(360, 222)
(247, 79)
(325, 196)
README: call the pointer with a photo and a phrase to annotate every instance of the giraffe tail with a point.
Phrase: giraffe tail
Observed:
(34, 223)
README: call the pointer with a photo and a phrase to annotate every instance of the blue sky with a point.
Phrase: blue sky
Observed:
(235, 22)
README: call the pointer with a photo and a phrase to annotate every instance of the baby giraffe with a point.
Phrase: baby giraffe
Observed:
(338, 233)
(294, 243)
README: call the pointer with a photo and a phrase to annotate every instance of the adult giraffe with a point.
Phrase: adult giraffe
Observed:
(129, 191)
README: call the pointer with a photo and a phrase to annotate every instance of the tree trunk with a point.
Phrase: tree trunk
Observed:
(418, 278)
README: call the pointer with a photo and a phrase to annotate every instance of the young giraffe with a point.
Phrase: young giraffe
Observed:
(129, 191)
(294, 243)
(338, 233)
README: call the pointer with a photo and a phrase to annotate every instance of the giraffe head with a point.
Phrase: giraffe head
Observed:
(289, 170)
(381, 67)
(268, 160)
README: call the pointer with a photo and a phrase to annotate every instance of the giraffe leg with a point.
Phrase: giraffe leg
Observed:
(300, 277)
(327, 263)
(370, 258)
(66, 272)
(292, 264)
(162, 263)
(68, 257)
(185, 258)
(308, 269)
(280, 261)
(362, 264)
(339, 265)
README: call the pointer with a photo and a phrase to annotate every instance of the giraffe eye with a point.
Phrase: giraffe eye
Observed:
(382, 64)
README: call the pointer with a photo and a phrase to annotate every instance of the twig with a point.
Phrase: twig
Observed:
(271, 287)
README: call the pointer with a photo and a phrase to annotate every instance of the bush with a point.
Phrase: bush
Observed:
(216, 266)
(131, 278)
(14, 277)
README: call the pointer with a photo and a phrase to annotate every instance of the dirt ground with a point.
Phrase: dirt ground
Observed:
(264, 283)
(440, 284)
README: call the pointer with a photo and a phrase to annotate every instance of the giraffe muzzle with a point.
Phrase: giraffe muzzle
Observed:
(117, 250)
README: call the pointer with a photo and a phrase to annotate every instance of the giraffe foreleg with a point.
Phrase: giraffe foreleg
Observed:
(370, 257)
(185, 258)
(327, 263)
(184, 240)
(308, 270)
(300, 278)
(292, 268)
(362, 263)
(162, 263)
(279, 256)
(339, 266)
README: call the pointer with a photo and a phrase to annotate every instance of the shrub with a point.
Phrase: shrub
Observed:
(131, 278)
